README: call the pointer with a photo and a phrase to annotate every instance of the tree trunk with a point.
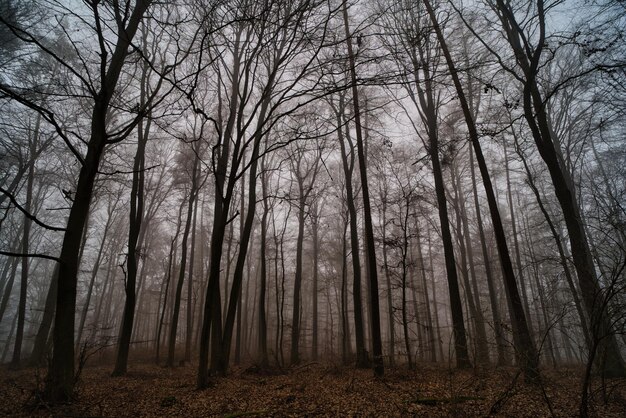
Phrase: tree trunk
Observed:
(295, 316)
(94, 274)
(518, 258)
(526, 348)
(392, 334)
(536, 116)
(348, 168)
(6, 295)
(40, 346)
(315, 228)
(503, 357)
(367, 215)
(430, 327)
(60, 380)
(482, 349)
(189, 332)
(183, 262)
(264, 361)
(563, 258)
(167, 280)
(134, 251)
(21, 310)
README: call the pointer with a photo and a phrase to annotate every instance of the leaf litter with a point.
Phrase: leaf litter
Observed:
(310, 390)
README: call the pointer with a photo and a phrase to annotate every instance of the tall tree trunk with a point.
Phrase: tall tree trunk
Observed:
(6, 295)
(60, 379)
(465, 245)
(21, 310)
(435, 301)
(405, 266)
(545, 333)
(189, 332)
(295, 317)
(536, 115)
(223, 354)
(392, 334)
(348, 169)
(134, 251)
(183, 262)
(367, 215)
(458, 326)
(526, 348)
(501, 344)
(167, 280)
(516, 246)
(264, 360)
(563, 258)
(40, 346)
(315, 228)
(345, 323)
(212, 316)
(94, 274)
(431, 326)
(239, 337)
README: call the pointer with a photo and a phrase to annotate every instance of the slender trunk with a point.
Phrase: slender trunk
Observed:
(315, 228)
(526, 347)
(5, 351)
(21, 310)
(458, 326)
(6, 295)
(223, 354)
(167, 280)
(503, 357)
(94, 274)
(295, 317)
(442, 357)
(405, 261)
(40, 346)
(367, 215)
(183, 262)
(345, 325)
(348, 168)
(133, 257)
(188, 333)
(535, 113)
(430, 327)
(482, 349)
(545, 332)
(516, 246)
(392, 334)
(264, 361)
(563, 257)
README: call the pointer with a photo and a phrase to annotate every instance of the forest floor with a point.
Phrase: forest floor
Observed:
(311, 390)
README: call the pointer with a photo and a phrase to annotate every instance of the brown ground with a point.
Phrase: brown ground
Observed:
(309, 390)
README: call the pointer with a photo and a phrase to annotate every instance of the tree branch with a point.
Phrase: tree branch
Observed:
(27, 214)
